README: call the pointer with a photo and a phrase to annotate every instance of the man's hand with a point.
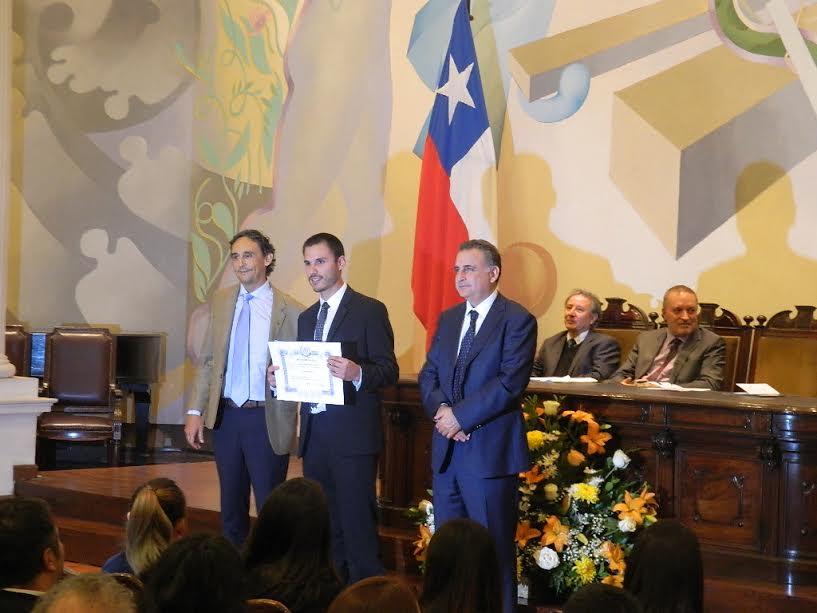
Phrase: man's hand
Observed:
(271, 375)
(194, 430)
(343, 368)
(446, 424)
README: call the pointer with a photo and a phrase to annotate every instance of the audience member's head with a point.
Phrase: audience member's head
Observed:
(600, 597)
(680, 310)
(196, 574)
(157, 517)
(31, 553)
(87, 594)
(664, 570)
(287, 554)
(462, 571)
(582, 311)
(375, 595)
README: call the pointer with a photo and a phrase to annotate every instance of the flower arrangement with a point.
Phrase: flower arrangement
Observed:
(578, 511)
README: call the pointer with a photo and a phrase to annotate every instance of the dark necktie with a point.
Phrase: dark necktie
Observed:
(240, 373)
(566, 359)
(318, 336)
(674, 345)
(465, 349)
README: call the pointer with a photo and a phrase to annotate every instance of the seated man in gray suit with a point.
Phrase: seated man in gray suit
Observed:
(682, 353)
(579, 351)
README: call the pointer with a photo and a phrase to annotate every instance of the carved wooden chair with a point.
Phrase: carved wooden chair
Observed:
(80, 366)
(266, 605)
(738, 339)
(624, 324)
(784, 352)
(18, 349)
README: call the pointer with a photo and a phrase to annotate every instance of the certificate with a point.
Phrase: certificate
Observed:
(303, 374)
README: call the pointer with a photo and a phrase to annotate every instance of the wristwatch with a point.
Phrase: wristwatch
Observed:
(194, 412)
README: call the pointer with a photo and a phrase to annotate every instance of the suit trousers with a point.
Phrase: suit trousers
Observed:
(349, 484)
(244, 457)
(490, 501)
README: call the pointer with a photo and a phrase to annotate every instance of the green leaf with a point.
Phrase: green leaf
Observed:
(209, 153)
(608, 487)
(271, 116)
(199, 283)
(234, 33)
(223, 218)
(201, 255)
(240, 149)
(289, 6)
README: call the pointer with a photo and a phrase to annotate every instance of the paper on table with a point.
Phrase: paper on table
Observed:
(666, 385)
(303, 374)
(565, 379)
(758, 389)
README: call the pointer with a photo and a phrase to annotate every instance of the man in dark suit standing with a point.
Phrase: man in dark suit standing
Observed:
(340, 444)
(578, 351)
(682, 353)
(478, 366)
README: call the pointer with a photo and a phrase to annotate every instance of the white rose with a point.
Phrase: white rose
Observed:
(546, 558)
(620, 459)
(426, 507)
(627, 525)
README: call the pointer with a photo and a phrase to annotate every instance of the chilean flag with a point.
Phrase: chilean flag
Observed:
(457, 180)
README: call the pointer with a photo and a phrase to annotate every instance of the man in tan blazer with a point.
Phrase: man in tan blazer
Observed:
(682, 353)
(253, 432)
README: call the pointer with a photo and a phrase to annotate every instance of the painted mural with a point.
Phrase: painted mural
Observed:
(640, 144)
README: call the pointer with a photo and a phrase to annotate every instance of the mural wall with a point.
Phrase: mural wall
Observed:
(640, 144)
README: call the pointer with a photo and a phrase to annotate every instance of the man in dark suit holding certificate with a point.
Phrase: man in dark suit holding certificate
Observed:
(340, 444)
(478, 366)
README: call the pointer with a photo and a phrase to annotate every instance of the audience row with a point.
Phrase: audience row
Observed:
(287, 559)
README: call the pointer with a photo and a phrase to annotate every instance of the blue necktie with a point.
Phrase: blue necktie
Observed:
(465, 349)
(240, 374)
(318, 336)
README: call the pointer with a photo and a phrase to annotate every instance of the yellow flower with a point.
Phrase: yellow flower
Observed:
(585, 492)
(551, 492)
(551, 407)
(421, 544)
(574, 457)
(585, 570)
(595, 438)
(555, 534)
(536, 439)
(524, 533)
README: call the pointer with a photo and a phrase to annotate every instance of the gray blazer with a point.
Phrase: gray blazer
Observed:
(699, 362)
(596, 356)
(209, 382)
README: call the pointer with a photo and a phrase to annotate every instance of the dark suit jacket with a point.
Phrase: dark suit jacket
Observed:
(364, 322)
(497, 373)
(699, 362)
(596, 356)
(15, 602)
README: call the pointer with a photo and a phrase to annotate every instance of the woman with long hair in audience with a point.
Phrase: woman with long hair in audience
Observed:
(376, 595)
(196, 574)
(157, 517)
(462, 571)
(287, 555)
(664, 571)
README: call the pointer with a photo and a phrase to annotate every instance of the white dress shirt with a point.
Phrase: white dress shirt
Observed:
(260, 314)
(482, 312)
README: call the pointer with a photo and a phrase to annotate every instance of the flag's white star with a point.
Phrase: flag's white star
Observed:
(456, 90)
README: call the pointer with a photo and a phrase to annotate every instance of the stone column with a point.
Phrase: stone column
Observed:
(19, 403)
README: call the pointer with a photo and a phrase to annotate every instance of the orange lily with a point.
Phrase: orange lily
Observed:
(580, 416)
(539, 412)
(614, 555)
(421, 544)
(616, 580)
(635, 507)
(533, 476)
(595, 438)
(575, 457)
(555, 533)
(524, 533)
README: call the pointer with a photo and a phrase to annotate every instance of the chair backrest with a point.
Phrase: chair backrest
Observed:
(623, 324)
(18, 348)
(784, 352)
(264, 605)
(80, 366)
(738, 339)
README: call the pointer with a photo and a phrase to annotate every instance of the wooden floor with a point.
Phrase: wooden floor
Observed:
(90, 506)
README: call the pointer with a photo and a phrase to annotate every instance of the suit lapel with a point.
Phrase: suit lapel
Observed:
(223, 322)
(495, 315)
(581, 351)
(343, 310)
(277, 315)
(684, 353)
